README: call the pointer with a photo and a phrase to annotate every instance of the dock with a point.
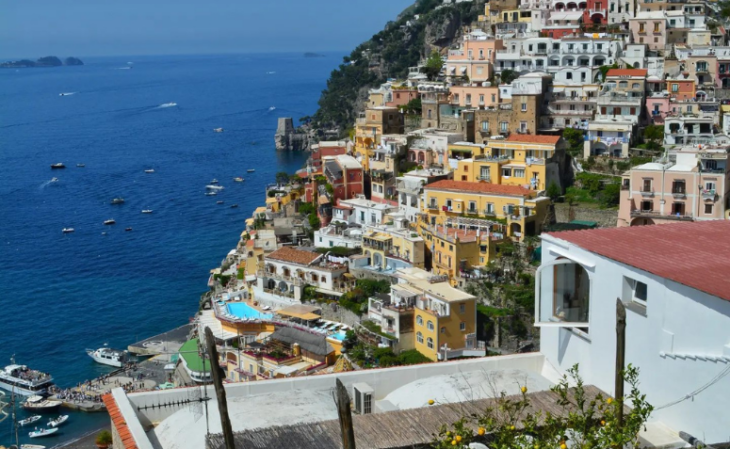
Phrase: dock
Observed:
(164, 343)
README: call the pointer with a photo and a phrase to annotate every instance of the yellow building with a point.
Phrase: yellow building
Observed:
(369, 130)
(519, 209)
(444, 317)
(523, 160)
(379, 242)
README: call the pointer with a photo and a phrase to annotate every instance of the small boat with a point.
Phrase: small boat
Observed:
(147, 211)
(54, 179)
(32, 446)
(110, 221)
(150, 170)
(43, 432)
(214, 181)
(57, 166)
(233, 206)
(31, 420)
(238, 179)
(219, 202)
(108, 356)
(251, 170)
(39, 404)
(81, 165)
(127, 229)
(119, 200)
(58, 421)
(68, 230)
(210, 194)
(218, 130)
(214, 187)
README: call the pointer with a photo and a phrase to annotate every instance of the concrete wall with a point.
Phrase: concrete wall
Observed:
(677, 320)
(604, 217)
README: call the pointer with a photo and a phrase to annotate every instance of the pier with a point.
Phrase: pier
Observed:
(164, 343)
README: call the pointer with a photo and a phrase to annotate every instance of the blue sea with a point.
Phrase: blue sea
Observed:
(62, 293)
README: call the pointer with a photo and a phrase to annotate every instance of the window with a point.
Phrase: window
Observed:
(569, 75)
(494, 98)
(524, 107)
(490, 208)
(646, 187)
(708, 208)
(519, 173)
(503, 126)
(646, 206)
(419, 336)
(419, 320)
(657, 26)
(462, 326)
(634, 291)
(481, 99)
(429, 342)
(462, 306)
(709, 185)
(485, 125)
(563, 287)
(473, 207)
(506, 172)
(523, 126)
(675, 87)
(642, 27)
(443, 330)
(429, 325)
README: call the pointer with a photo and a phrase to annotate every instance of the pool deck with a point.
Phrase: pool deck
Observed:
(166, 342)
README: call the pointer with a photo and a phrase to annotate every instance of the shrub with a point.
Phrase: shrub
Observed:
(306, 208)
(412, 357)
(553, 191)
(104, 438)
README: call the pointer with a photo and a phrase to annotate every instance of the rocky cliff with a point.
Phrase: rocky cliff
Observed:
(46, 61)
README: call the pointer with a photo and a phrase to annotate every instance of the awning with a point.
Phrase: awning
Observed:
(250, 277)
(463, 70)
(300, 311)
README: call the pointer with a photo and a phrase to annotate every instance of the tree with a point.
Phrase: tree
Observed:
(654, 135)
(282, 178)
(507, 76)
(574, 138)
(553, 191)
(433, 65)
(604, 70)
(413, 106)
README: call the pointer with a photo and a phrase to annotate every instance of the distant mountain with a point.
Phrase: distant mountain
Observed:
(46, 61)
(313, 55)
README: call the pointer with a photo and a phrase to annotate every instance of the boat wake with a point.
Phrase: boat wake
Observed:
(270, 73)
(272, 108)
(66, 94)
(166, 105)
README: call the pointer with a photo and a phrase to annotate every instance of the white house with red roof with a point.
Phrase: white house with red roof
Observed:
(674, 280)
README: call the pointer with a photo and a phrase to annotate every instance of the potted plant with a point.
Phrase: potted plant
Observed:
(104, 439)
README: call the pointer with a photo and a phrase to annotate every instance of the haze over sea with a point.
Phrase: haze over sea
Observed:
(63, 293)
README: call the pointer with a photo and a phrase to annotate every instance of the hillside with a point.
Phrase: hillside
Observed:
(388, 54)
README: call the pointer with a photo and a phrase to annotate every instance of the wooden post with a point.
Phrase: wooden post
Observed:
(620, 357)
(345, 414)
(220, 393)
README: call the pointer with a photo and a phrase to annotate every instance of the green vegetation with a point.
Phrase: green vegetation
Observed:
(553, 191)
(314, 221)
(507, 76)
(339, 251)
(413, 107)
(104, 438)
(574, 139)
(241, 273)
(653, 137)
(273, 193)
(371, 357)
(433, 65)
(604, 70)
(282, 178)
(222, 278)
(374, 328)
(306, 208)
(328, 187)
(594, 188)
(356, 300)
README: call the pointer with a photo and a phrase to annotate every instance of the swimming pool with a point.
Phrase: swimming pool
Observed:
(243, 310)
(340, 336)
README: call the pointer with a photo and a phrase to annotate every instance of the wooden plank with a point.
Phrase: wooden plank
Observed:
(219, 391)
(345, 415)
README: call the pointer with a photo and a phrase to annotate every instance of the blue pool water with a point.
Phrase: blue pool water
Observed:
(63, 293)
(340, 336)
(243, 310)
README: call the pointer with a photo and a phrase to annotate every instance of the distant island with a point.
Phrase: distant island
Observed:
(313, 55)
(46, 61)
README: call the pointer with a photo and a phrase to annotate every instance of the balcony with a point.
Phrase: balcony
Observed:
(280, 277)
(657, 215)
(487, 158)
(708, 194)
(597, 11)
(647, 193)
(484, 178)
(432, 206)
(615, 98)
(679, 193)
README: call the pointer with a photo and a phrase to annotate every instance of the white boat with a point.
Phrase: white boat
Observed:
(31, 420)
(214, 187)
(68, 230)
(81, 165)
(54, 179)
(58, 421)
(108, 356)
(57, 166)
(219, 202)
(32, 446)
(110, 221)
(149, 170)
(118, 200)
(238, 179)
(210, 194)
(43, 432)
(218, 130)
(214, 181)
(251, 170)
(147, 211)
(40, 404)
(23, 380)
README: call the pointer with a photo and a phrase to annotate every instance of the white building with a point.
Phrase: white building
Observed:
(334, 235)
(361, 211)
(673, 280)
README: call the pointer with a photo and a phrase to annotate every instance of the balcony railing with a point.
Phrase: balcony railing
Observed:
(647, 193)
(709, 194)
(679, 194)
(653, 214)
(432, 206)
(484, 157)
(484, 178)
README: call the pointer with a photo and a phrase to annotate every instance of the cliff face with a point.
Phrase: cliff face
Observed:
(46, 61)
(389, 54)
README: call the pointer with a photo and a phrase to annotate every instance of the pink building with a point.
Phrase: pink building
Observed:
(475, 59)
(688, 184)
(400, 96)
(657, 106)
(474, 96)
(649, 27)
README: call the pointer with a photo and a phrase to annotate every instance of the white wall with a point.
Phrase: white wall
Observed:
(678, 320)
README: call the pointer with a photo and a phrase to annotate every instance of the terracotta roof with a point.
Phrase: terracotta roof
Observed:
(477, 187)
(118, 420)
(527, 138)
(288, 254)
(692, 254)
(627, 72)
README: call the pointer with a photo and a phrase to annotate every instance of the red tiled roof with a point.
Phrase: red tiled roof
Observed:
(118, 420)
(478, 187)
(627, 72)
(693, 254)
(288, 254)
(527, 138)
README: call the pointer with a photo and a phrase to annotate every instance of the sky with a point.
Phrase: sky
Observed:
(34, 28)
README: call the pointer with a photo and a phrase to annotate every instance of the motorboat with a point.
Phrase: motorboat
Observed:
(150, 170)
(251, 170)
(68, 230)
(108, 356)
(238, 179)
(39, 404)
(32, 446)
(210, 194)
(43, 432)
(110, 221)
(219, 202)
(233, 206)
(31, 420)
(57, 166)
(23, 380)
(214, 181)
(58, 421)
(147, 211)
(214, 187)
(81, 165)
(54, 179)
(127, 229)
(118, 200)
(218, 130)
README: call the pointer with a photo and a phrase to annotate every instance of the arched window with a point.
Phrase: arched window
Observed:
(623, 84)
(429, 342)
(635, 85)
(419, 337)
(429, 325)
(419, 320)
